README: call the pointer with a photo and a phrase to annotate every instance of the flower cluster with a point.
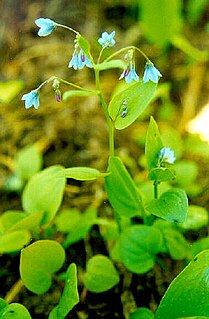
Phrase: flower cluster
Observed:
(166, 155)
(79, 58)
(129, 73)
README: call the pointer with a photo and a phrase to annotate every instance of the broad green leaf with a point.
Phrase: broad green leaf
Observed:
(160, 20)
(142, 313)
(69, 296)
(30, 222)
(200, 245)
(110, 65)
(186, 172)
(178, 247)
(9, 90)
(100, 275)
(172, 138)
(121, 190)
(82, 227)
(10, 218)
(28, 162)
(138, 246)
(82, 173)
(3, 304)
(14, 311)
(197, 218)
(161, 174)
(172, 206)
(153, 144)
(44, 192)
(38, 262)
(83, 44)
(14, 241)
(80, 93)
(135, 98)
(67, 219)
(188, 294)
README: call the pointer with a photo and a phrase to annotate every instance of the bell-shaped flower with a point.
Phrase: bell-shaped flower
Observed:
(46, 25)
(151, 73)
(107, 40)
(166, 155)
(130, 73)
(79, 59)
(31, 99)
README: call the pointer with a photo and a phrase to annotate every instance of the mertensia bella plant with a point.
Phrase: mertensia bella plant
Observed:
(143, 228)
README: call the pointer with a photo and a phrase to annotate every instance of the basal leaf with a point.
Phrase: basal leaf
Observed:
(135, 98)
(82, 173)
(101, 274)
(121, 190)
(38, 262)
(188, 294)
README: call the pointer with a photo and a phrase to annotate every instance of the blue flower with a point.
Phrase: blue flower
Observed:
(46, 26)
(31, 98)
(151, 73)
(79, 59)
(166, 155)
(107, 40)
(130, 74)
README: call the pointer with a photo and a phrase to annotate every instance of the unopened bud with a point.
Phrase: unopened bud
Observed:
(58, 95)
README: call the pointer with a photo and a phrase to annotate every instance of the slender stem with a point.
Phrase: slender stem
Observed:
(132, 47)
(98, 60)
(156, 183)
(105, 108)
(68, 28)
(14, 291)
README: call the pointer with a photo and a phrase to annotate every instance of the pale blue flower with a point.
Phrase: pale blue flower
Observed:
(166, 155)
(151, 73)
(130, 74)
(79, 59)
(107, 40)
(47, 26)
(31, 99)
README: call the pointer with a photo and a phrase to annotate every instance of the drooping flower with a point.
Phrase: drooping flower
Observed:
(79, 59)
(129, 73)
(107, 40)
(166, 155)
(151, 73)
(56, 85)
(46, 25)
(31, 99)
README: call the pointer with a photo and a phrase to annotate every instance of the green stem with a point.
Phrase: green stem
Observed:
(14, 291)
(68, 28)
(105, 108)
(132, 47)
(156, 183)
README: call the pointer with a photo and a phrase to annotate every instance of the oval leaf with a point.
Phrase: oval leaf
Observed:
(38, 262)
(121, 190)
(14, 241)
(172, 206)
(69, 297)
(161, 174)
(44, 192)
(101, 274)
(80, 93)
(82, 173)
(135, 98)
(14, 310)
(138, 246)
(188, 294)
(110, 65)
(142, 313)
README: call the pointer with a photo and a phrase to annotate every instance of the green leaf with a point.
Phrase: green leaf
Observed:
(80, 93)
(195, 9)
(200, 245)
(82, 173)
(14, 310)
(38, 262)
(157, 30)
(44, 192)
(197, 218)
(28, 162)
(110, 65)
(188, 294)
(178, 247)
(9, 90)
(69, 297)
(10, 218)
(161, 174)
(83, 44)
(136, 98)
(101, 274)
(138, 246)
(142, 313)
(121, 190)
(153, 144)
(30, 222)
(14, 241)
(3, 304)
(172, 206)
(186, 172)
